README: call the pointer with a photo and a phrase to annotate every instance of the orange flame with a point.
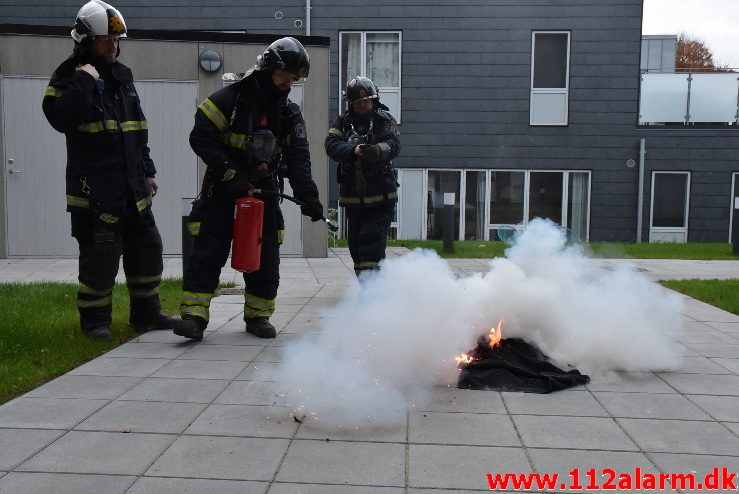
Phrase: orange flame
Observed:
(495, 335)
(493, 341)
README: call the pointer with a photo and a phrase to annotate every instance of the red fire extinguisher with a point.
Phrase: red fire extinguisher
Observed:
(246, 250)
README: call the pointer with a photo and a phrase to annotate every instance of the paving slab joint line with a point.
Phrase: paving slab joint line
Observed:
(282, 460)
(518, 434)
(618, 424)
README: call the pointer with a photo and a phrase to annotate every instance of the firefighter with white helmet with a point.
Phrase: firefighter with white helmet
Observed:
(91, 98)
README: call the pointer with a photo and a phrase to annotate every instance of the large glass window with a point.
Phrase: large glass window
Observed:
(441, 182)
(506, 197)
(578, 203)
(517, 197)
(545, 196)
(474, 205)
(550, 71)
(669, 201)
(376, 55)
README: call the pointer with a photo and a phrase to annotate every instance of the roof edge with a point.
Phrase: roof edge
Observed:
(170, 35)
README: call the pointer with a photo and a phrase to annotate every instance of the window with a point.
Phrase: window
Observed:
(550, 74)
(375, 55)
(517, 197)
(669, 214)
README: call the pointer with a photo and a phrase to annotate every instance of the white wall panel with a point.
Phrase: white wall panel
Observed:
(170, 109)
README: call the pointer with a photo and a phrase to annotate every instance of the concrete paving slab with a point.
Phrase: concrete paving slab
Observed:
(44, 483)
(398, 433)
(120, 366)
(461, 467)
(148, 350)
(724, 408)
(658, 436)
(462, 429)
(701, 464)
(701, 365)
(629, 383)
(338, 462)
(259, 371)
(572, 433)
(730, 364)
(251, 393)
(727, 385)
(153, 485)
(85, 387)
(237, 353)
(228, 458)
(176, 390)
(20, 444)
(575, 403)
(100, 453)
(446, 399)
(244, 420)
(653, 406)
(143, 416)
(47, 413)
(201, 369)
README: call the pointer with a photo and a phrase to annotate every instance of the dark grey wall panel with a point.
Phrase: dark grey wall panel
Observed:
(465, 89)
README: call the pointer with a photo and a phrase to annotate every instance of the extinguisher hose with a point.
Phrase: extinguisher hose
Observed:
(331, 226)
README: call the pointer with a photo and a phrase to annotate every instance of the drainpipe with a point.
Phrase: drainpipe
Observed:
(640, 192)
(307, 17)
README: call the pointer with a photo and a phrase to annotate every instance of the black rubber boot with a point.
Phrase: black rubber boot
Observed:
(101, 333)
(162, 321)
(189, 328)
(260, 327)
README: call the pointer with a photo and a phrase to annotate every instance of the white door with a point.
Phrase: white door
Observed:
(293, 240)
(35, 160)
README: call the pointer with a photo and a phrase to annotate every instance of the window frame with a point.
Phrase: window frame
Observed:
(543, 91)
(363, 63)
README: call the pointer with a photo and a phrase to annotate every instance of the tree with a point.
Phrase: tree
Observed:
(693, 53)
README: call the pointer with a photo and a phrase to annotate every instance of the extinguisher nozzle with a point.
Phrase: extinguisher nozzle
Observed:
(331, 226)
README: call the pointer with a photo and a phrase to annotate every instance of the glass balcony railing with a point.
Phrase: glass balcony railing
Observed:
(689, 98)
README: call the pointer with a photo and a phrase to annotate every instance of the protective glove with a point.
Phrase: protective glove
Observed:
(313, 209)
(371, 153)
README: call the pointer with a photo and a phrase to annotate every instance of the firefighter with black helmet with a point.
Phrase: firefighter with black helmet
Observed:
(249, 134)
(364, 140)
(110, 178)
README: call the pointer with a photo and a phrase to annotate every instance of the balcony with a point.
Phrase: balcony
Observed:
(689, 98)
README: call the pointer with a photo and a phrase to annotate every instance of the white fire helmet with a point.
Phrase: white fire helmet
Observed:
(97, 18)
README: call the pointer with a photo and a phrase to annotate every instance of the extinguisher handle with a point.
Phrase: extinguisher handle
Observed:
(252, 191)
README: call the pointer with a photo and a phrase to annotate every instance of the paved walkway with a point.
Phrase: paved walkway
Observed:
(162, 415)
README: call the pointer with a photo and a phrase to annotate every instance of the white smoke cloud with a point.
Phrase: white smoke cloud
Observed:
(397, 334)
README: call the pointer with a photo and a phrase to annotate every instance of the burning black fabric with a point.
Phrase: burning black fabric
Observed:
(515, 365)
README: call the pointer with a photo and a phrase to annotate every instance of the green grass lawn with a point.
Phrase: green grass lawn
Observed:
(480, 249)
(723, 294)
(40, 336)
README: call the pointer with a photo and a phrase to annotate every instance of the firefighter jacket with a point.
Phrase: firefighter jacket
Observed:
(222, 136)
(107, 139)
(363, 183)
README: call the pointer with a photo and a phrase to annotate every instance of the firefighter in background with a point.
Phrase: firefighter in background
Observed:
(249, 134)
(110, 180)
(364, 140)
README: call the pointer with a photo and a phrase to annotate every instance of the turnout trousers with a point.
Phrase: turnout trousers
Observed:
(367, 230)
(134, 236)
(211, 224)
